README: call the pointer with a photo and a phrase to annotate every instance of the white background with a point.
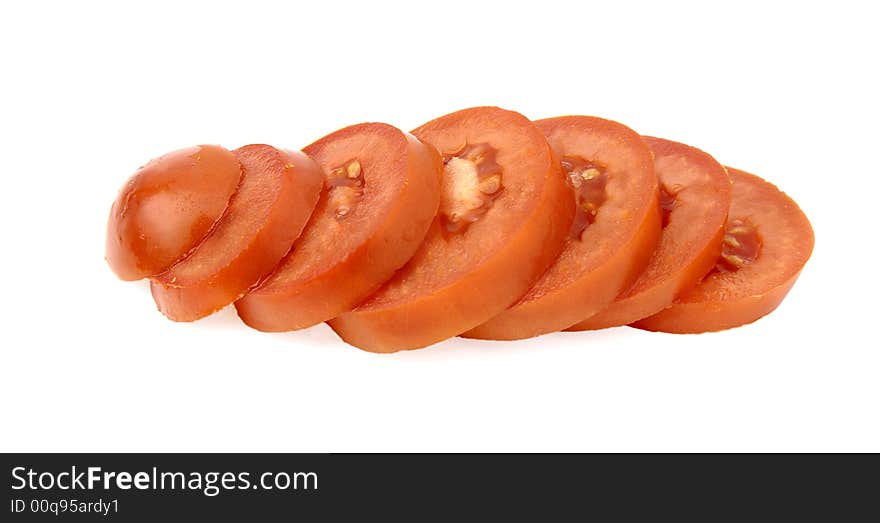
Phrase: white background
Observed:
(90, 91)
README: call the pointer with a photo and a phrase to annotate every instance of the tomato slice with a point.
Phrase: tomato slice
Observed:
(767, 242)
(381, 194)
(505, 212)
(278, 191)
(617, 227)
(167, 208)
(695, 196)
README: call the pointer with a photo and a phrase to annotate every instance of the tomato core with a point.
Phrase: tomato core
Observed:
(588, 180)
(346, 185)
(667, 203)
(471, 182)
(741, 246)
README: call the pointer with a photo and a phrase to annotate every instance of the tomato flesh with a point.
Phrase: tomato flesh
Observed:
(696, 194)
(167, 208)
(488, 244)
(381, 195)
(616, 228)
(278, 191)
(774, 240)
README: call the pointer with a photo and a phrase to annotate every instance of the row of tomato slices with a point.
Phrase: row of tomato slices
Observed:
(480, 223)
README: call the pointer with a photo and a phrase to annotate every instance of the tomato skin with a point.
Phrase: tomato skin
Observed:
(689, 245)
(245, 245)
(583, 280)
(405, 315)
(695, 318)
(167, 207)
(332, 289)
(729, 299)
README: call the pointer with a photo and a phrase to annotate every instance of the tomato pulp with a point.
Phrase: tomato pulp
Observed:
(615, 231)
(768, 240)
(695, 197)
(381, 195)
(505, 213)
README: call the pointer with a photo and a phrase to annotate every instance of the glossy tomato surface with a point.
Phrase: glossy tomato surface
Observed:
(167, 208)
(278, 192)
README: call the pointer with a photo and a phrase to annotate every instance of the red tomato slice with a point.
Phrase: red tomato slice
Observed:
(278, 191)
(167, 208)
(382, 193)
(505, 212)
(611, 170)
(695, 195)
(767, 242)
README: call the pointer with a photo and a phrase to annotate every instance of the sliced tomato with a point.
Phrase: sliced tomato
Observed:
(615, 231)
(505, 213)
(167, 208)
(768, 240)
(381, 194)
(278, 191)
(695, 196)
